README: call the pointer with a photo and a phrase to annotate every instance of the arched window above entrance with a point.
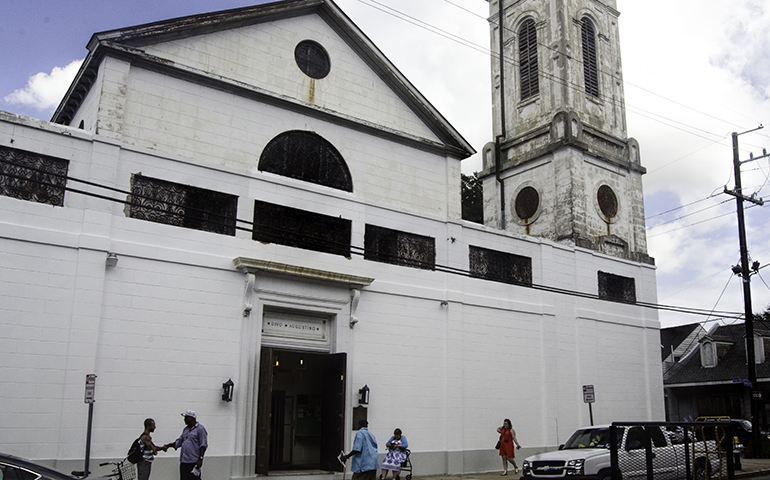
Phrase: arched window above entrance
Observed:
(306, 156)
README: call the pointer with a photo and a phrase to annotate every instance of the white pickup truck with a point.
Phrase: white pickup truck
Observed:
(586, 455)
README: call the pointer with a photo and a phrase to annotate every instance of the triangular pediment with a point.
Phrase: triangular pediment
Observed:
(253, 49)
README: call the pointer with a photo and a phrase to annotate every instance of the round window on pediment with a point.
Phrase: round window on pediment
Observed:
(608, 201)
(312, 59)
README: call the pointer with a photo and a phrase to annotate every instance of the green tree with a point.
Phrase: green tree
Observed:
(472, 198)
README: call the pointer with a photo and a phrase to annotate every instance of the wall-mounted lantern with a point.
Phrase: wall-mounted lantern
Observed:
(227, 390)
(363, 395)
(112, 259)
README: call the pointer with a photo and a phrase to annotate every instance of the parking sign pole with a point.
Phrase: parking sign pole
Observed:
(589, 398)
(89, 399)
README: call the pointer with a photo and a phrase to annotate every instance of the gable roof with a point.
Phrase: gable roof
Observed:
(733, 365)
(126, 43)
(671, 338)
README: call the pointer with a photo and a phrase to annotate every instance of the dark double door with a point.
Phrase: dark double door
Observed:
(300, 410)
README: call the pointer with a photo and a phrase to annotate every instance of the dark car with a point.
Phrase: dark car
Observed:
(16, 468)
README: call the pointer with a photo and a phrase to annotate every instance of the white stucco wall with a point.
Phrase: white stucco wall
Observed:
(164, 328)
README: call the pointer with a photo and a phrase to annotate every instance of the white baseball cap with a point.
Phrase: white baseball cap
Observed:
(190, 413)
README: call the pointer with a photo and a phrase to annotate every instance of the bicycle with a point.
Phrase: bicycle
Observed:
(122, 470)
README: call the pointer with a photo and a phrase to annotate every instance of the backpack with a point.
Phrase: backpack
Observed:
(135, 453)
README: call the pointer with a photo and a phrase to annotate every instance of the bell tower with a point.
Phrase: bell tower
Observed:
(562, 165)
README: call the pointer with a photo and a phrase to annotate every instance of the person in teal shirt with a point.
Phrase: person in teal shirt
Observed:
(364, 453)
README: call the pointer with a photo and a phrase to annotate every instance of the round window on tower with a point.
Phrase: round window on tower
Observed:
(312, 59)
(527, 205)
(608, 202)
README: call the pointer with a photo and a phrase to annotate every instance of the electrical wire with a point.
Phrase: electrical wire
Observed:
(682, 206)
(312, 242)
(636, 110)
(612, 75)
(545, 75)
(690, 214)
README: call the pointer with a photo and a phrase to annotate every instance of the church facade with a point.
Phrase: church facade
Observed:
(254, 215)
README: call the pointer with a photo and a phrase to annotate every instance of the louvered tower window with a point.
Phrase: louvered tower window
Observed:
(528, 59)
(590, 72)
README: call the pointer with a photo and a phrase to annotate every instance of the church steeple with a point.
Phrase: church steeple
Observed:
(562, 165)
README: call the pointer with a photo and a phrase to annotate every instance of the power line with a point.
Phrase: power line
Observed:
(610, 74)
(283, 233)
(545, 75)
(690, 214)
(682, 206)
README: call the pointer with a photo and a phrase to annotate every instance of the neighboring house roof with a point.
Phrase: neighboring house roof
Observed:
(731, 366)
(127, 43)
(673, 338)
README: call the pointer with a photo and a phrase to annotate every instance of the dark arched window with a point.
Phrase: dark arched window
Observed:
(590, 72)
(528, 59)
(306, 156)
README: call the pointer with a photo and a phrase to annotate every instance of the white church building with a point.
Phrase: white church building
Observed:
(259, 196)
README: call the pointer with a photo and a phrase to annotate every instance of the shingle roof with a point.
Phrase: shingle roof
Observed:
(732, 365)
(672, 337)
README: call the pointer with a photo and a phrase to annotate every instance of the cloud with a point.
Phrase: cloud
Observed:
(745, 48)
(44, 91)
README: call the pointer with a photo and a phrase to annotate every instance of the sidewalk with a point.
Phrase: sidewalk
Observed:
(750, 467)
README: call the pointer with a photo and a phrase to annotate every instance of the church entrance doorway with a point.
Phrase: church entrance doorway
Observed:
(301, 405)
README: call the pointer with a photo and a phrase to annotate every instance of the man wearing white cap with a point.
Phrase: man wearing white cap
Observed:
(193, 441)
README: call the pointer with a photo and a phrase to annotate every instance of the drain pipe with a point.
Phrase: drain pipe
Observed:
(501, 136)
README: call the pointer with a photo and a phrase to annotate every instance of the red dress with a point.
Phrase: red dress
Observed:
(507, 447)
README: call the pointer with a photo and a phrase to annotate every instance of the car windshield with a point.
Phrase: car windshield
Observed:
(745, 424)
(591, 438)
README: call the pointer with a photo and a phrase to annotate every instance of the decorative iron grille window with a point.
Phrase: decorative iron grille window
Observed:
(500, 266)
(33, 177)
(171, 203)
(615, 287)
(306, 156)
(590, 71)
(300, 228)
(400, 248)
(528, 74)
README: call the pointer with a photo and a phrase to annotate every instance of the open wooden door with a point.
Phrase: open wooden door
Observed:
(333, 421)
(264, 410)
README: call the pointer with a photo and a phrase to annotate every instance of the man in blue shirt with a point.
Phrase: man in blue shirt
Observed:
(193, 442)
(364, 453)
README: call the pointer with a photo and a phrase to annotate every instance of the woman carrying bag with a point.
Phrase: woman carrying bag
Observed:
(507, 448)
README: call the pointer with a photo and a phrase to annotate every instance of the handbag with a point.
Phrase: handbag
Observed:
(497, 447)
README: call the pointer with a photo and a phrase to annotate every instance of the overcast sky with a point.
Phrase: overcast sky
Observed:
(694, 71)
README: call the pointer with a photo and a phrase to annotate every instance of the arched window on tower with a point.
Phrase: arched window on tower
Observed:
(528, 78)
(306, 156)
(590, 71)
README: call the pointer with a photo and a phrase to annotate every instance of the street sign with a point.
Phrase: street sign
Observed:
(90, 388)
(588, 394)
(757, 395)
(743, 380)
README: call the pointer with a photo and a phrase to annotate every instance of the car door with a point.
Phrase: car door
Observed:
(632, 459)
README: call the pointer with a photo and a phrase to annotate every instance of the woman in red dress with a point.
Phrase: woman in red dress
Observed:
(507, 448)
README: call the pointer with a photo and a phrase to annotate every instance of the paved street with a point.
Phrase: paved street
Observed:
(751, 468)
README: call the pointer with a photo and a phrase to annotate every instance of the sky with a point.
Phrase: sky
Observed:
(695, 71)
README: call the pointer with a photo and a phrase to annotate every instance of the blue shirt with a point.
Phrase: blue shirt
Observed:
(191, 441)
(404, 443)
(365, 446)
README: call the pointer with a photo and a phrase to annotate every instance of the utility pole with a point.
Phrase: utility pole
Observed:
(745, 274)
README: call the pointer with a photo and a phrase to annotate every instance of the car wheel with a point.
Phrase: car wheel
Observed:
(605, 476)
(701, 471)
